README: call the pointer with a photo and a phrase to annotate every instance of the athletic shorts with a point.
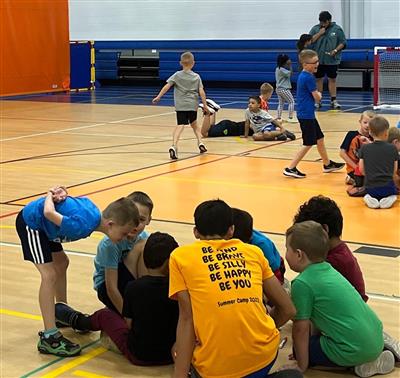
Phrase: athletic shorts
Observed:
(35, 244)
(329, 70)
(268, 128)
(185, 117)
(310, 131)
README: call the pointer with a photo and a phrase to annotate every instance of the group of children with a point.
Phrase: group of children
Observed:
(191, 305)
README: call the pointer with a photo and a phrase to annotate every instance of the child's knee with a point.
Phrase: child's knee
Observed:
(61, 263)
(49, 276)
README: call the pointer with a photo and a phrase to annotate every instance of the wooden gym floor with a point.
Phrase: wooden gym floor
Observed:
(106, 151)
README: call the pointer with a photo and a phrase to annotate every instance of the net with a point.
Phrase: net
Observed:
(387, 77)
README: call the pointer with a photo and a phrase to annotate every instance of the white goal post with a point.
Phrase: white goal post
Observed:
(386, 77)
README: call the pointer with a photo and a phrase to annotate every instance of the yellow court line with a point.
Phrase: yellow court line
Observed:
(88, 374)
(18, 314)
(76, 362)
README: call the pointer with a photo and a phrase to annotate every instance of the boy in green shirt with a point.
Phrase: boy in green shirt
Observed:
(349, 332)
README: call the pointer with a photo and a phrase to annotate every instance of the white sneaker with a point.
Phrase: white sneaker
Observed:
(210, 109)
(292, 120)
(392, 344)
(173, 153)
(335, 105)
(387, 202)
(212, 104)
(371, 202)
(384, 364)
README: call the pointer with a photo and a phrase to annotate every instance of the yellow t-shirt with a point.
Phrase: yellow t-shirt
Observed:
(224, 279)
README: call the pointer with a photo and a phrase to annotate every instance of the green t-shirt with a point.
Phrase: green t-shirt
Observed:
(351, 333)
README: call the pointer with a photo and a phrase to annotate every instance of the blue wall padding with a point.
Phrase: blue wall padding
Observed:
(80, 65)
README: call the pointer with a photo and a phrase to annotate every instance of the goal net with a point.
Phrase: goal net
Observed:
(386, 77)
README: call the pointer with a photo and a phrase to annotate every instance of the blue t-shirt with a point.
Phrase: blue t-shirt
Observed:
(306, 84)
(268, 247)
(110, 254)
(80, 218)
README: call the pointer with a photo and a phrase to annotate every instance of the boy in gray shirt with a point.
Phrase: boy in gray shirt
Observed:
(378, 163)
(187, 89)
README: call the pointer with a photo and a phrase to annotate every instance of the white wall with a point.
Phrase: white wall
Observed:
(195, 19)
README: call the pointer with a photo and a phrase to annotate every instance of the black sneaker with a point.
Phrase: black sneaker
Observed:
(318, 105)
(290, 135)
(281, 137)
(294, 172)
(202, 148)
(333, 166)
(173, 153)
(58, 345)
(69, 317)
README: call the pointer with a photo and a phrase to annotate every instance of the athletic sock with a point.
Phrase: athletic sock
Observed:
(50, 332)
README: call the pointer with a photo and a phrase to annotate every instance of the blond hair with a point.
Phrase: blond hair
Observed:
(378, 125)
(394, 133)
(306, 54)
(367, 113)
(311, 238)
(187, 58)
(122, 212)
(266, 88)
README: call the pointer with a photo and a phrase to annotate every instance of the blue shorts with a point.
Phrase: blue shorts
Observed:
(383, 191)
(268, 128)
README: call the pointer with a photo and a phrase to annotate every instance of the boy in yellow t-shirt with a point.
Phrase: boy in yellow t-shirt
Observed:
(223, 328)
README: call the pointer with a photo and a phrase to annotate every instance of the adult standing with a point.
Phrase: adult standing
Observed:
(328, 41)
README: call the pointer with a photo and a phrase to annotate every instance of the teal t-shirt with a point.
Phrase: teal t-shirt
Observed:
(110, 254)
(351, 333)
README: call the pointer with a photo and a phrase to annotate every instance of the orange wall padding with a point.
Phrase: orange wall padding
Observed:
(34, 46)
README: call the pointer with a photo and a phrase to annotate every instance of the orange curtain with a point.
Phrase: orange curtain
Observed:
(34, 46)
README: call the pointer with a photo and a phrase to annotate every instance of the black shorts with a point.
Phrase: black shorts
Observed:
(227, 128)
(186, 117)
(35, 244)
(329, 70)
(310, 131)
(124, 277)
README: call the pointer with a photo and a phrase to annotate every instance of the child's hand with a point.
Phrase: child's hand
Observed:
(59, 193)
(156, 100)
(206, 111)
(365, 140)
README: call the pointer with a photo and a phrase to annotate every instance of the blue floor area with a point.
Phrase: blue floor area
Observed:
(234, 98)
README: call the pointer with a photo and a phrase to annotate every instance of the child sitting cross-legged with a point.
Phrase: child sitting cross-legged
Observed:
(148, 332)
(346, 332)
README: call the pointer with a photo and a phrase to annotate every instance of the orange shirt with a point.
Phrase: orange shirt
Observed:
(224, 279)
(264, 104)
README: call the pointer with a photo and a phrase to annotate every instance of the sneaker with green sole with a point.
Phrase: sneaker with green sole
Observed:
(57, 345)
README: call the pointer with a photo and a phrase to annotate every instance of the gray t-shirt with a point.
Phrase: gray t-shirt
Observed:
(187, 85)
(282, 78)
(260, 121)
(379, 158)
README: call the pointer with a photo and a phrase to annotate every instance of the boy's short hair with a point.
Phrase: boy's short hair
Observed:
(311, 238)
(367, 113)
(266, 88)
(325, 16)
(157, 249)
(243, 223)
(394, 133)
(142, 199)
(187, 57)
(213, 217)
(122, 211)
(256, 99)
(306, 54)
(378, 125)
(324, 211)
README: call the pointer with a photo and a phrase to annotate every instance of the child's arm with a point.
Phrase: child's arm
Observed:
(283, 309)
(202, 94)
(361, 166)
(317, 35)
(317, 96)
(163, 91)
(185, 336)
(301, 339)
(246, 128)
(346, 158)
(111, 276)
(396, 177)
(49, 210)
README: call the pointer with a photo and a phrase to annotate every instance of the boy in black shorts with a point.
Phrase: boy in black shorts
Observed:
(307, 95)
(187, 89)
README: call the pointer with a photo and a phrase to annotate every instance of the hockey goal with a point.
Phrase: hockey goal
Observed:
(386, 77)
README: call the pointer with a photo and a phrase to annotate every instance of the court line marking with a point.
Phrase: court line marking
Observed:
(19, 314)
(88, 374)
(55, 361)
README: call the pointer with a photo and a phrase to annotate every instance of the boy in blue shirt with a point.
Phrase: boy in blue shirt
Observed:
(307, 95)
(42, 226)
(116, 264)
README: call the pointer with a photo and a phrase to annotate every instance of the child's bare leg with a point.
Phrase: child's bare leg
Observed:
(177, 134)
(322, 151)
(61, 262)
(46, 293)
(208, 121)
(197, 131)
(299, 156)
